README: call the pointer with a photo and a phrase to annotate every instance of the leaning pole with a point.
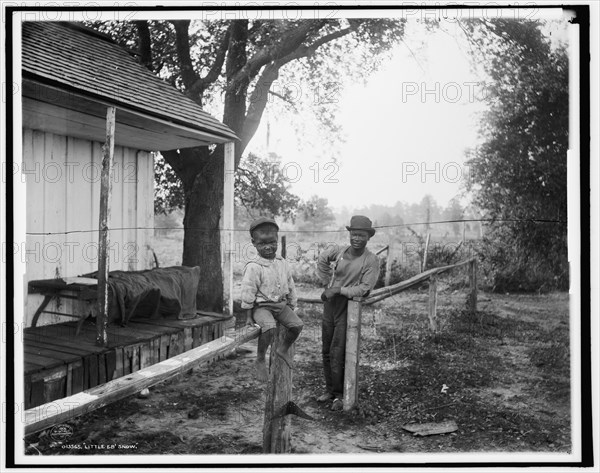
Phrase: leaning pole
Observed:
(277, 425)
(277, 429)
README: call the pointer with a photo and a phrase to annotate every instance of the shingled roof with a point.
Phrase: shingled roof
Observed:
(72, 58)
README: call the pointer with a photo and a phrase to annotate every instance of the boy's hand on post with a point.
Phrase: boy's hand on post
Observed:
(249, 320)
(330, 292)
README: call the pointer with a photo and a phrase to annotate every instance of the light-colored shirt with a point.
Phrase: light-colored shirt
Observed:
(355, 276)
(268, 281)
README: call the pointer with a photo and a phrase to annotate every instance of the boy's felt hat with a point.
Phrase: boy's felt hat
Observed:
(360, 222)
(262, 221)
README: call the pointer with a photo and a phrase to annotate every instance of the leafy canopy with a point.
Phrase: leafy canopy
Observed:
(520, 169)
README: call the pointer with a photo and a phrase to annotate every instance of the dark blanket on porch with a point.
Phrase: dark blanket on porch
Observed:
(161, 292)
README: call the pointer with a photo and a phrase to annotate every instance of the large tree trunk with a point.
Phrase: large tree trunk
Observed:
(201, 241)
(202, 175)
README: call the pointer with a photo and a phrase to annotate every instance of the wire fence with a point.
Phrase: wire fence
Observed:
(399, 225)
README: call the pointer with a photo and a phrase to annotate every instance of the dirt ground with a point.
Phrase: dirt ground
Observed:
(505, 371)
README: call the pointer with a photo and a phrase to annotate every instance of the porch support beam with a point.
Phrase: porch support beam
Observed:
(108, 151)
(227, 223)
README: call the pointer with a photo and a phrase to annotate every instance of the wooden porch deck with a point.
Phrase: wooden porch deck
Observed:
(59, 363)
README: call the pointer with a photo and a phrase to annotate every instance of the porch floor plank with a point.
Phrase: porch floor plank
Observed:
(140, 344)
(51, 355)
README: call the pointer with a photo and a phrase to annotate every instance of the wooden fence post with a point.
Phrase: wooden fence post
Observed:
(433, 302)
(277, 425)
(473, 286)
(108, 151)
(388, 262)
(425, 253)
(283, 247)
(352, 353)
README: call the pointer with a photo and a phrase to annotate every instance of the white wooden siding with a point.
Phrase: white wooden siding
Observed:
(62, 177)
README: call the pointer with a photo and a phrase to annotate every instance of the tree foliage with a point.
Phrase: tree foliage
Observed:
(519, 172)
(316, 214)
(262, 189)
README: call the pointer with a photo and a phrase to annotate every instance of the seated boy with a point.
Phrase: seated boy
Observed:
(269, 295)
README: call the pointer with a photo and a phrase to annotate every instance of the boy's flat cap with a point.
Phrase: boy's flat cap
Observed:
(262, 221)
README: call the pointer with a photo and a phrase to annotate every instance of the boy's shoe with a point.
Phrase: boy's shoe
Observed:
(325, 397)
(337, 405)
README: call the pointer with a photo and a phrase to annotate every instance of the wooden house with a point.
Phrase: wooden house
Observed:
(70, 76)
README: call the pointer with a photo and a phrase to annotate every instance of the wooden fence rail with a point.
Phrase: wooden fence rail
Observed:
(385, 292)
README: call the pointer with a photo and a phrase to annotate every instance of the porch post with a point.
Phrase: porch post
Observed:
(103, 239)
(227, 227)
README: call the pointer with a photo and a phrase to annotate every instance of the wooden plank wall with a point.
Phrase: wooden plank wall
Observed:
(62, 176)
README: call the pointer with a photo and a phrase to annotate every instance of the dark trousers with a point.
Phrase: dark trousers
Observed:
(335, 315)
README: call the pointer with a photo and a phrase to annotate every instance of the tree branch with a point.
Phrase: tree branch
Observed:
(182, 44)
(308, 50)
(145, 43)
(284, 46)
(213, 74)
(235, 97)
(258, 99)
(285, 99)
(258, 102)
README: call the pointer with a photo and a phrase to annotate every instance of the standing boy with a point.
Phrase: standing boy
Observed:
(269, 295)
(354, 274)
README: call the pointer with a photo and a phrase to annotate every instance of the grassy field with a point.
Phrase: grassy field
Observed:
(506, 370)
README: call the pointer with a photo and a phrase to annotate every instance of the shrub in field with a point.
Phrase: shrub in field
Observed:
(304, 270)
(509, 268)
(439, 253)
(444, 254)
(303, 261)
(399, 272)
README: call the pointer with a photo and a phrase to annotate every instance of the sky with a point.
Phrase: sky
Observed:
(407, 129)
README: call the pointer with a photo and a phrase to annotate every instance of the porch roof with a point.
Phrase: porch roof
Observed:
(72, 73)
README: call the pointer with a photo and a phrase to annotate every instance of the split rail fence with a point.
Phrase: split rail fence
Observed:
(355, 306)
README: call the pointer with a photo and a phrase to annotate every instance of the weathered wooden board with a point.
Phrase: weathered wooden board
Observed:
(145, 355)
(431, 428)
(102, 369)
(46, 363)
(119, 369)
(352, 356)
(61, 340)
(27, 393)
(276, 427)
(93, 371)
(111, 364)
(53, 383)
(51, 356)
(432, 309)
